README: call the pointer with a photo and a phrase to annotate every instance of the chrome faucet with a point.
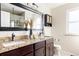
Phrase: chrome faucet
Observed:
(13, 36)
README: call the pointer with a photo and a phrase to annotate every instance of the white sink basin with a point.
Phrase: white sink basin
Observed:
(12, 43)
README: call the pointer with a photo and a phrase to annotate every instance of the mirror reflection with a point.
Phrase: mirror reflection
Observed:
(14, 16)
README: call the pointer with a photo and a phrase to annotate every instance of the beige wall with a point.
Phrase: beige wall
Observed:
(68, 43)
(45, 10)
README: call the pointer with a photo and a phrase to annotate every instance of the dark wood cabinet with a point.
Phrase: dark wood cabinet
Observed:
(47, 50)
(39, 45)
(43, 48)
(26, 50)
(40, 52)
(51, 49)
(40, 49)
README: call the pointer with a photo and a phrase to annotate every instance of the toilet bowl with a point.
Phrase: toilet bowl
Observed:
(57, 50)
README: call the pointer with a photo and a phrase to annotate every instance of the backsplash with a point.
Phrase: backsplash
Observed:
(19, 35)
(6, 35)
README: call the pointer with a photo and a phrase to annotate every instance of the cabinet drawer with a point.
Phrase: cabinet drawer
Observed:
(49, 47)
(39, 45)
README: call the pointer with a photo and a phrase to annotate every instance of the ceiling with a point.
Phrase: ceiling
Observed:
(50, 5)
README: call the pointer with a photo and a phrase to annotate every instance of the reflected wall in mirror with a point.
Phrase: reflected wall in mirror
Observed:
(36, 20)
(16, 20)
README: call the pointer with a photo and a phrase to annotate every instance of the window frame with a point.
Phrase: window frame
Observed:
(67, 22)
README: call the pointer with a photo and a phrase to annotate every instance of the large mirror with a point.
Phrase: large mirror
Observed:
(14, 16)
(11, 16)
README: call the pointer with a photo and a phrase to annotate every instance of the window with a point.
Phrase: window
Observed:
(73, 22)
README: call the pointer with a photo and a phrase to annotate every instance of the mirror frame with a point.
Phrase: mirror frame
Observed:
(17, 28)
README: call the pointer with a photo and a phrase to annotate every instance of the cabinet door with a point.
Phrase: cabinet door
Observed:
(39, 45)
(51, 49)
(40, 52)
(47, 50)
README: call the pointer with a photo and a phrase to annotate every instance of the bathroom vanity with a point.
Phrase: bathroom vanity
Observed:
(40, 47)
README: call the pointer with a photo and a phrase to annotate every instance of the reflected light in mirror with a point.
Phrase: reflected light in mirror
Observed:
(12, 23)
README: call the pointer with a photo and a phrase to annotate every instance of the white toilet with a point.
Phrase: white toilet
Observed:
(57, 50)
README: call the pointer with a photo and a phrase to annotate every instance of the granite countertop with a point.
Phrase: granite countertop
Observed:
(28, 42)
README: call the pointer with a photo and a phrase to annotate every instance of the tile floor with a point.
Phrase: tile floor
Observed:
(63, 53)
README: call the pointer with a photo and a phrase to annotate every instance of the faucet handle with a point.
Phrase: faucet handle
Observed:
(13, 34)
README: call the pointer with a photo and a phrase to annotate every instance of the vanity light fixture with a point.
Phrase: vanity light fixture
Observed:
(33, 5)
